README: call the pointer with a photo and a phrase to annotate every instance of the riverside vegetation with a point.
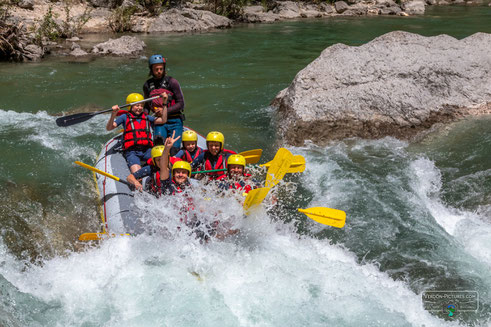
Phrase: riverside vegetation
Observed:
(29, 28)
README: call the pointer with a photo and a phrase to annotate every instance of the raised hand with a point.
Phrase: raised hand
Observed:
(169, 142)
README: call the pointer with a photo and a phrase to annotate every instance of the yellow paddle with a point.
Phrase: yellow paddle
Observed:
(255, 197)
(103, 173)
(326, 216)
(252, 156)
(278, 167)
(297, 166)
(97, 236)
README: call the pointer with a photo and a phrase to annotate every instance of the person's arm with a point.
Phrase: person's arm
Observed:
(180, 154)
(132, 179)
(175, 88)
(164, 159)
(162, 118)
(138, 175)
(110, 123)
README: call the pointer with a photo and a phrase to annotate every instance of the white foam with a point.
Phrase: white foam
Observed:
(427, 185)
(278, 279)
(41, 128)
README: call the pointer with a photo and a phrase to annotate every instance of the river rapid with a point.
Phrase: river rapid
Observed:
(418, 214)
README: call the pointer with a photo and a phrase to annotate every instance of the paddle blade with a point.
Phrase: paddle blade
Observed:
(252, 156)
(73, 119)
(297, 166)
(98, 236)
(326, 216)
(255, 197)
(279, 166)
(92, 236)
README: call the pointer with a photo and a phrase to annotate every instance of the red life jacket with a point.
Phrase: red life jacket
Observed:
(137, 133)
(159, 89)
(221, 163)
(188, 157)
(155, 183)
(240, 185)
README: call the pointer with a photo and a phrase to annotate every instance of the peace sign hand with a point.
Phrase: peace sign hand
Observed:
(169, 142)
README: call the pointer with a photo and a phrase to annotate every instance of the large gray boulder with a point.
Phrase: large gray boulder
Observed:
(416, 7)
(257, 14)
(287, 9)
(124, 46)
(397, 85)
(181, 20)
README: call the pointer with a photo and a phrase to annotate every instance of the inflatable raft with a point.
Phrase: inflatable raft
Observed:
(118, 214)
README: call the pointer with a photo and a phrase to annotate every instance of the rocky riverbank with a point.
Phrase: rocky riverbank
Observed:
(396, 85)
(29, 25)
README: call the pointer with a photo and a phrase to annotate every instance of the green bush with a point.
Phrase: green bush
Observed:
(230, 8)
(154, 7)
(120, 20)
(71, 26)
(50, 29)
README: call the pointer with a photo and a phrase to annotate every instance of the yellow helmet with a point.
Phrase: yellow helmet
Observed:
(236, 159)
(133, 97)
(189, 136)
(157, 152)
(181, 165)
(215, 137)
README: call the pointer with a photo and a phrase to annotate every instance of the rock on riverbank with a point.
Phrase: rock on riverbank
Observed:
(397, 85)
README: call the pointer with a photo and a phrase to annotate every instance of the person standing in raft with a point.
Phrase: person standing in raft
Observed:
(190, 150)
(236, 177)
(137, 130)
(215, 157)
(161, 83)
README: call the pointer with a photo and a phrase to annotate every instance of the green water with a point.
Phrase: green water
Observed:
(399, 197)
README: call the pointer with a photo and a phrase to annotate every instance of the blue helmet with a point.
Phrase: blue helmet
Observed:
(156, 59)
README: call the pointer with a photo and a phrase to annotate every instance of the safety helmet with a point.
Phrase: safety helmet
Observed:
(189, 136)
(133, 97)
(181, 165)
(236, 159)
(215, 137)
(155, 59)
(157, 152)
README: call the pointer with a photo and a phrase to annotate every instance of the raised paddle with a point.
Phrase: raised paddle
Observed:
(252, 156)
(254, 198)
(103, 173)
(81, 117)
(326, 216)
(278, 167)
(297, 166)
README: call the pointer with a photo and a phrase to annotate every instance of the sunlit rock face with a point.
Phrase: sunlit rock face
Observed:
(396, 85)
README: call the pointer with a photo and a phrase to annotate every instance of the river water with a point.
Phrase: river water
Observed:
(419, 215)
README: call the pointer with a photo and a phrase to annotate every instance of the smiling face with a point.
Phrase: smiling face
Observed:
(180, 176)
(137, 109)
(235, 171)
(214, 147)
(158, 71)
(189, 145)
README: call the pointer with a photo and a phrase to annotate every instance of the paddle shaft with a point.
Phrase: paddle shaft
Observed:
(208, 171)
(103, 173)
(81, 117)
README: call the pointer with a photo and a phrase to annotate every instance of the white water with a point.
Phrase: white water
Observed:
(276, 279)
(268, 275)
